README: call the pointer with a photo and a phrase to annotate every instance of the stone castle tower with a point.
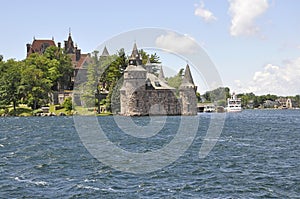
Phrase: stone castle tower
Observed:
(144, 93)
(187, 93)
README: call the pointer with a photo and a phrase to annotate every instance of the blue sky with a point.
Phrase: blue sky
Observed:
(254, 44)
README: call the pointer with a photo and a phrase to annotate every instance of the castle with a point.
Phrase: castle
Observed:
(144, 93)
(79, 63)
(79, 60)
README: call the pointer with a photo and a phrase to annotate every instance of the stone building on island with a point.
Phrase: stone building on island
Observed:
(144, 93)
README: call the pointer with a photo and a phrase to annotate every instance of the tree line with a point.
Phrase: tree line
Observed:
(248, 100)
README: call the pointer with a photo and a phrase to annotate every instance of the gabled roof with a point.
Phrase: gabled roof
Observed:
(157, 83)
(81, 62)
(39, 45)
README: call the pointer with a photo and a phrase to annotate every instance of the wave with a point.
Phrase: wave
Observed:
(38, 183)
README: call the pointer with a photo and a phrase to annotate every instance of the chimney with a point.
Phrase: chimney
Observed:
(66, 42)
(78, 54)
(28, 47)
(59, 45)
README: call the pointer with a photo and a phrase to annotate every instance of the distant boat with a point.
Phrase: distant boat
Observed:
(234, 104)
(209, 108)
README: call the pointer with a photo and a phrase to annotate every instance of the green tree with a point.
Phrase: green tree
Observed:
(176, 80)
(198, 95)
(38, 74)
(10, 82)
(89, 88)
(63, 70)
(68, 104)
(218, 95)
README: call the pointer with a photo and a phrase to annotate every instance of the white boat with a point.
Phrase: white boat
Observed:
(209, 108)
(234, 104)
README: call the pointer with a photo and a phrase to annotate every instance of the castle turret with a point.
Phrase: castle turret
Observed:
(187, 92)
(69, 45)
(135, 58)
(133, 86)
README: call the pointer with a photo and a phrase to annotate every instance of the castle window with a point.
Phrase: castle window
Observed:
(137, 103)
(169, 108)
(188, 108)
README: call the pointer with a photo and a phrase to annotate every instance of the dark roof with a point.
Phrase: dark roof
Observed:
(80, 63)
(40, 45)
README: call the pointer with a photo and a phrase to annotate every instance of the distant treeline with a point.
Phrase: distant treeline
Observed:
(248, 100)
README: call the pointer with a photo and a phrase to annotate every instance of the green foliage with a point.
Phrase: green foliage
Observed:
(38, 74)
(218, 95)
(198, 96)
(61, 70)
(67, 104)
(176, 80)
(10, 77)
(90, 86)
(154, 59)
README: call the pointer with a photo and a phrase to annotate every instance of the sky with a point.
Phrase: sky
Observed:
(253, 44)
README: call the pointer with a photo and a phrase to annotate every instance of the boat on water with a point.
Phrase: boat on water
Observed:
(234, 104)
(210, 108)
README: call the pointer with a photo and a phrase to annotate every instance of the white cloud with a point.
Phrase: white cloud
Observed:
(244, 13)
(176, 43)
(280, 80)
(205, 14)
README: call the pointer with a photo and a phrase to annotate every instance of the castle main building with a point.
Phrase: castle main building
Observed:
(144, 93)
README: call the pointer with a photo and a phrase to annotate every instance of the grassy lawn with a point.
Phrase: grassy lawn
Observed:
(23, 110)
(20, 111)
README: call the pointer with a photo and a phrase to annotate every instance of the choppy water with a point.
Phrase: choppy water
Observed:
(257, 156)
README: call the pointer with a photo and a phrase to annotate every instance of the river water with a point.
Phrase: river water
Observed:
(256, 156)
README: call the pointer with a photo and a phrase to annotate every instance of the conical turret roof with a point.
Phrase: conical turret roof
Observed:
(161, 75)
(135, 52)
(187, 80)
(135, 56)
(105, 52)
